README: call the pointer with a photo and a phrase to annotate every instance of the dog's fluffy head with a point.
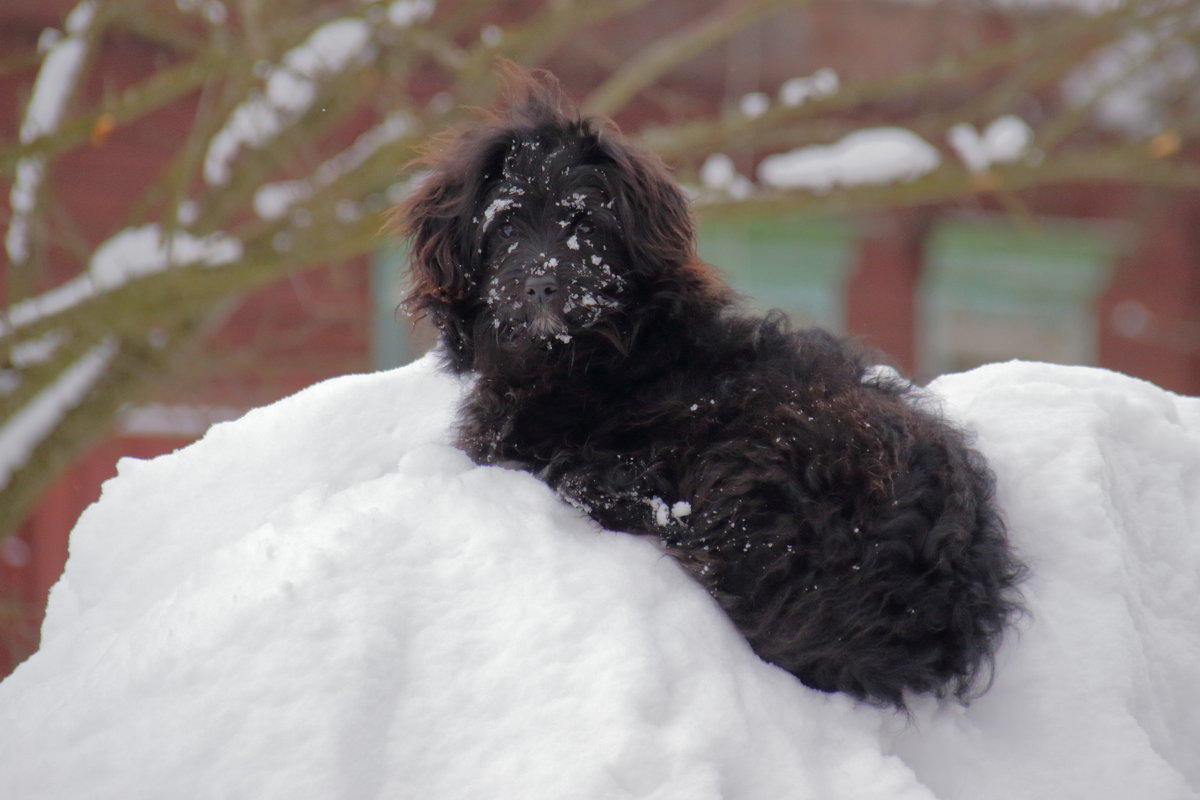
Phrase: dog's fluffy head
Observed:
(540, 240)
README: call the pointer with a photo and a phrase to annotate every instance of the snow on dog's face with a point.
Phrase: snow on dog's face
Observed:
(550, 246)
(543, 241)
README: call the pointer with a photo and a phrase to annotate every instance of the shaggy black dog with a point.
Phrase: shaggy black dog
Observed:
(847, 531)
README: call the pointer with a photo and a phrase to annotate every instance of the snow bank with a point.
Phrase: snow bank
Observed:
(325, 599)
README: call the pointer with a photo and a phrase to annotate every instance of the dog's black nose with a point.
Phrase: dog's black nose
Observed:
(539, 289)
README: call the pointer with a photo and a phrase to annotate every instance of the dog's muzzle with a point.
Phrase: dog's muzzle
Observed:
(540, 290)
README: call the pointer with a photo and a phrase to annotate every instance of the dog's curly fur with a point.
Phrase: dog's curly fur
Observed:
(847, 530)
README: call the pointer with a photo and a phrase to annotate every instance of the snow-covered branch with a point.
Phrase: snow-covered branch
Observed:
(57, 79)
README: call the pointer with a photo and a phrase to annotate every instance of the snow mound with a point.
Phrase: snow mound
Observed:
(324, 599)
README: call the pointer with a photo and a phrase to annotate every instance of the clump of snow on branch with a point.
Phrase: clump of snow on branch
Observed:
(405, 13)
(59, 72)
(291, 88)
(792, 93)
(1085, 6)
(719, 173)
(1049, 6)
(213, 11)
(289, 92)
(1004, 141)
(21, 433)
(864, 157)
(754, 104)
(130, 254)
(273, 200)
(797, 91)
(1135, 82)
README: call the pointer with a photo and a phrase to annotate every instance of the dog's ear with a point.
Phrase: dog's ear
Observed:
(437, 266)
(437, 219)
(657, 223)
(652, 209)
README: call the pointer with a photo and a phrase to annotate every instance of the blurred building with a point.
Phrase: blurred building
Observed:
(1108, 278)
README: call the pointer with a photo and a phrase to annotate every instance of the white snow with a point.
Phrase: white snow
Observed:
(719, 173)
(273, 200)
(1132, 83)
(178, 419)
(754, 104)
(797, 91)
(127, 255)
(325, 599)
(56, 78)
(1034, 6)
(499, 205)
(213, 11)
(863, 157)
(1005, 140)
(406, 13)
(1085, 6)
(491, 35)
(289, 92)
(290, 88)
(24, 431)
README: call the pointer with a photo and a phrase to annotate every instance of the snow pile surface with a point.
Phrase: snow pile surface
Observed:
(324, 599)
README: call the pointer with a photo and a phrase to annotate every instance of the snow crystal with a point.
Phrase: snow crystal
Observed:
(325, 598)
(869, 156)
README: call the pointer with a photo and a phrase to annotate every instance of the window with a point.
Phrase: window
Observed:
(994, 290)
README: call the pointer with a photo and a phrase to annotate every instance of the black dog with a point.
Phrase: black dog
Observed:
(848, 532)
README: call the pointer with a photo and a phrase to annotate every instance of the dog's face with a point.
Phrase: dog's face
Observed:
(548, 239)
(540, 242)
